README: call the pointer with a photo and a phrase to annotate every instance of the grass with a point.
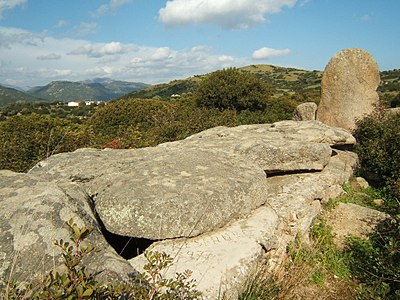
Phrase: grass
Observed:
(318, 270)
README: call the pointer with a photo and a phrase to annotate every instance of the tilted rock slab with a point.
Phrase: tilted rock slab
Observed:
(348, 88)
(157, 193)
(33, 216)
(279, 147)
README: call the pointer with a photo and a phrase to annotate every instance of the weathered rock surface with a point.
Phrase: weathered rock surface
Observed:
(222, 259)
(220, 198)
(350, 219)
(348, 88)
(158, 193)
(305, 112)
(280, 147)
(33, 216)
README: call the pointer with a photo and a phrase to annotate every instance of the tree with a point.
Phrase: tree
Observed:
(232, 89)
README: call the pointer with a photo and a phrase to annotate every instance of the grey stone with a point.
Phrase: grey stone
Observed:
(157, 193)
(305, 112)
(280, 147)
(222, 260)
(348, 88)
(362, 182)
(350, 219)
(218, 200)
(33, 216)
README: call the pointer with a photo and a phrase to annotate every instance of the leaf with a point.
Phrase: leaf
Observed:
(87, 293)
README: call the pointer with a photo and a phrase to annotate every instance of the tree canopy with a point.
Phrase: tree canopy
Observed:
(232, 89)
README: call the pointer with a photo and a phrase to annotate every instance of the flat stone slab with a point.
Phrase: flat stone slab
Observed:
(157, 193)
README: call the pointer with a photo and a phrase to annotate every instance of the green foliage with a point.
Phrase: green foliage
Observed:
(232, 89)
(53, 109)
(131, 122)
(395, 102)
(376, 261)
(363, 197)
(28, 139)
(378, 147)
(80, 283)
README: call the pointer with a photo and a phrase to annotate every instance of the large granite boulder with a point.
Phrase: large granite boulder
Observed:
(33, 216)
(216, 201)
(196, 185)
(279, 147)
(222, 260)
(348, 88)
(157, 193)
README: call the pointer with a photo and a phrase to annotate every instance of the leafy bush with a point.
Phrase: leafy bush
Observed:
(378, 147)
(25, 140)
(232, 89)
(79, 283)
(131, 122)
(376, 261)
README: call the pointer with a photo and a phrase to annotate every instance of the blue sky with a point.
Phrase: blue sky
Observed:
(155, 41)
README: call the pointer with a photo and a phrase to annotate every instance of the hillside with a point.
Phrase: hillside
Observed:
(282, 80)
(10, 95)
(97, 89)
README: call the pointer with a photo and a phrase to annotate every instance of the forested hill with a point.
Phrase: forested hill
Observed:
(282, 80)
(97, 89)
(10, 95)
(303, 85)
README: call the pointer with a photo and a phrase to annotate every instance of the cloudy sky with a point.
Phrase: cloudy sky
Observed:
(155, 41)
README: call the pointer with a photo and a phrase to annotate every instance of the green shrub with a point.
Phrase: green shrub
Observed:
(232, 89)
(131, 121)
(375, 262)
(378, 147)
(25, 140)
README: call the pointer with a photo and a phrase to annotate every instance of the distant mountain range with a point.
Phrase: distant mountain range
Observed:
(10, 95)
(282, 80)
(103, 89)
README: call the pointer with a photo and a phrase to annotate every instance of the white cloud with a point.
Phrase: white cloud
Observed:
(161, 53)
(9, 4)
(100, 50)
(225, 13)
(366, 17)
(265, 53)
(78, 59)
(112, 6)
(226, 58)
(49, 56)
(10, 36)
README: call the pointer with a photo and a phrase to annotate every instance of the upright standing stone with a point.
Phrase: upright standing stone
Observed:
(348, 88)
(305, 112)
